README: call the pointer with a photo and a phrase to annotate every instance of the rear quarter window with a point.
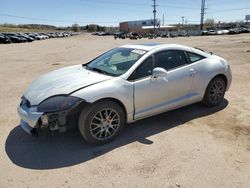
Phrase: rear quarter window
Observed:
(193, 57)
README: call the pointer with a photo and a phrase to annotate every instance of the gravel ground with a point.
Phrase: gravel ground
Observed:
(189, 147)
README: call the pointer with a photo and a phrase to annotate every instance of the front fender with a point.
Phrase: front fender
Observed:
(116, 88)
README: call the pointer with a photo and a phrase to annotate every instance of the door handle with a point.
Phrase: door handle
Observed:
(192, 72)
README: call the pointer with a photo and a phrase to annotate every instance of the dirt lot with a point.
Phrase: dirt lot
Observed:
(190, 147)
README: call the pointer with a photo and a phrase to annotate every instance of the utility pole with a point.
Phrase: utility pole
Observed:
(182, 21)
(163, 19)
(202, 14)
(154, 11)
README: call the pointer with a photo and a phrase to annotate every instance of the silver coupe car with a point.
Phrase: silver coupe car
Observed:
(121, 86)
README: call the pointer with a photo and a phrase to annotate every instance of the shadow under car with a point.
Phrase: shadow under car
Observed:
(57, 150)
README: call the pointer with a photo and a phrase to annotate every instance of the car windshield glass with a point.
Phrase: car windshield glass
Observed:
(116, 62)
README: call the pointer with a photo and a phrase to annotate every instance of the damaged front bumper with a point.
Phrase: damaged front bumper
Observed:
(31, 120)
(25, 126)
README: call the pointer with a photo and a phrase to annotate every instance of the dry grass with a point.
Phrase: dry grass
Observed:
(18, 29)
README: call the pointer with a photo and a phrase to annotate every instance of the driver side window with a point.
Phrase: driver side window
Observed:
(144, 70)
(170, 59)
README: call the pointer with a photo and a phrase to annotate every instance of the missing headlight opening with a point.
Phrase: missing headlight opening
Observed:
(62, 120)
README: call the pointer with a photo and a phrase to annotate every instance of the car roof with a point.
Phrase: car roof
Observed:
(152, 46)
(159, 46)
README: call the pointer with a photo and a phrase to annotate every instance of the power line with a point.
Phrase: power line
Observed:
(230, 10)
(168, 5)
(32, 18)
(177, 7)
(52, 20)
(218, 11)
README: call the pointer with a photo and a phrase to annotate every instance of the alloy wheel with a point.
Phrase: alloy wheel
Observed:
(104, 124)
(216, 92)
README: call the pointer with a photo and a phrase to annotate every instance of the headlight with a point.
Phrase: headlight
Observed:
(57, 103)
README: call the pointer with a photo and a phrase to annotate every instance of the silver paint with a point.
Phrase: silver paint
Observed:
(61, 81)
(141, 98)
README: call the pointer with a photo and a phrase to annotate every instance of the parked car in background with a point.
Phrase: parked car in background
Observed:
(15, 38)
(120, 35)
(28, 38)
(244, 30)
(122, 86)
(103, 33)
(233, 31)
(222, 32)
(165, 35)
(134, 36)
(211, 32)
(6, 37)
(173, 34)
(204, 33)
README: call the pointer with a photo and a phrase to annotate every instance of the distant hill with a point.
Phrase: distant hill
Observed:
(27, 28)
(46, 28)
(38, 26)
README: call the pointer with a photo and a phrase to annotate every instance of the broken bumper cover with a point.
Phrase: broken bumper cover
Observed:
(32, 120)
(25, 126)
(29, 118)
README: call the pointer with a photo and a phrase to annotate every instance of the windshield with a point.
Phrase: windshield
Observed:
(116, 62)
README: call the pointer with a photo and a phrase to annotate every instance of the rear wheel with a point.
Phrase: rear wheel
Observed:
(215, 92)
(101, 122)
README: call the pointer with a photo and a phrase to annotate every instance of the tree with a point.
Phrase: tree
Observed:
(75, 27)
(92, 28)
(209, 22)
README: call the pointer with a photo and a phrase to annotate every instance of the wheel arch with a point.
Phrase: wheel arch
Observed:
(215, 76)
(221, 76)
(117, 101)
(205, 99)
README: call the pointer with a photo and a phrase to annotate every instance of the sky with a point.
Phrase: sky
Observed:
(111, 12)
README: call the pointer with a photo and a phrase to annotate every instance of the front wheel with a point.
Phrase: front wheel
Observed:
(215, 92)
(101, 122)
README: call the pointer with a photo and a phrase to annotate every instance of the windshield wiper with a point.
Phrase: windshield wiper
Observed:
(97, 70)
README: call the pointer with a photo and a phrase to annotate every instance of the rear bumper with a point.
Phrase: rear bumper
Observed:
(229, 77)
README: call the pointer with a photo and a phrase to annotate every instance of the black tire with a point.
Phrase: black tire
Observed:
(90, 122)
(215, 92)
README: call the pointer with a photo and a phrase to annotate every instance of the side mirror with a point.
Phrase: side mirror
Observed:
(159, 73)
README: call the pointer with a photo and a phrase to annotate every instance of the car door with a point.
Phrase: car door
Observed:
(198, 87)
(152, 96)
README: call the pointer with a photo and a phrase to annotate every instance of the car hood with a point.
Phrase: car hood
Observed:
(60, 82)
